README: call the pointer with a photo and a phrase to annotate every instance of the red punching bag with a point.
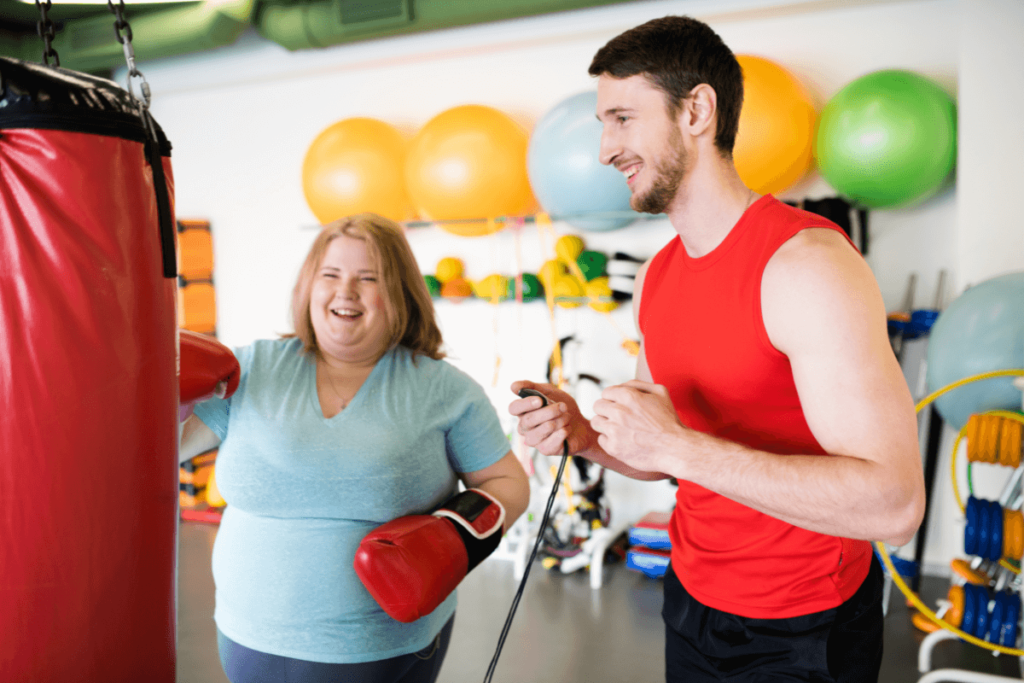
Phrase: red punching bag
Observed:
(88, 391)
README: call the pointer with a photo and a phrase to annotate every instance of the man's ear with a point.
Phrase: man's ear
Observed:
(699, 111)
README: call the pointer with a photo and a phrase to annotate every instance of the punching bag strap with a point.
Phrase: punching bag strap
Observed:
(163, 198)
(152, 144)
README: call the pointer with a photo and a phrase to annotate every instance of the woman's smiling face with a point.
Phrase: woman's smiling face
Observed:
(346, 306)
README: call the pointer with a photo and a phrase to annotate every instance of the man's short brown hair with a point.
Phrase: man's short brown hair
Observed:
(677, 54)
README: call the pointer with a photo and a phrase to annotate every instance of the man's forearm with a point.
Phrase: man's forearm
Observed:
(831, 494)
(597, 455)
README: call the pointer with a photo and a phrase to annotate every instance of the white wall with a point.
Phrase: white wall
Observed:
(242, 117)
(991, 237)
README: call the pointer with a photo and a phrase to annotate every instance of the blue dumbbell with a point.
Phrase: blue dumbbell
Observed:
(971, 530)
(995, 526)
(972, 609)
(996, 619)
(981, 627)
(984, 528)
(1011, 618)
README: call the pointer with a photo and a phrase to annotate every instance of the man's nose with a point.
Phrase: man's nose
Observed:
(610, 147)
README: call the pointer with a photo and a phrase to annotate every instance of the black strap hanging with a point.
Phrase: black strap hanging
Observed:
(123, 33)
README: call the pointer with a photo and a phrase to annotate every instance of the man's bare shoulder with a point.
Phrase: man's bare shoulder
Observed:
(818, 258)
(815, 276)
(814, 244)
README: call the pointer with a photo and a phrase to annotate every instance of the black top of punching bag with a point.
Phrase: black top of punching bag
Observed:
(45, 97)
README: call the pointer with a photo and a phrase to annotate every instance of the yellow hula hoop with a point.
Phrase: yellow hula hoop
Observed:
(1014, 372)
(952, 466)
(898, 580)
(923, 609)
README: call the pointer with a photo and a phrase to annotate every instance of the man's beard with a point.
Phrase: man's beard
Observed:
(668, 176)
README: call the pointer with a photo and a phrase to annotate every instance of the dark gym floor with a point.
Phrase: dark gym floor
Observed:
(563, 632)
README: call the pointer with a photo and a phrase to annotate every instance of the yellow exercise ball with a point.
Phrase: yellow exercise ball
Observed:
(774, 143)
(469, 162)
(357, 165)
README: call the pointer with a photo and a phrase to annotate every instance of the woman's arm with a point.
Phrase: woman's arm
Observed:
(196, 438)
(506, 481)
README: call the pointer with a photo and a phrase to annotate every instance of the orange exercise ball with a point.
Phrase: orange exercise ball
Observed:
(357, 165)
(469, 162)
(776, 131)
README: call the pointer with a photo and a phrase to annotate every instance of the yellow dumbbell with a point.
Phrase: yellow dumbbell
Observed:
(551, 271)
(1010, 442)
(1013, 534)
(569, 289)
(568, 248)
(600, 295)
(448, 269)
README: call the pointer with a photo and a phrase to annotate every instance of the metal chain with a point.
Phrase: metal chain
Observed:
(121, 24)
(47, 31)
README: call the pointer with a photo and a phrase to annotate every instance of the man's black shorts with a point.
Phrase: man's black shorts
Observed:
(843, 644)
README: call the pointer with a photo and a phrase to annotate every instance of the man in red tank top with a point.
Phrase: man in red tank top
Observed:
(765, 385)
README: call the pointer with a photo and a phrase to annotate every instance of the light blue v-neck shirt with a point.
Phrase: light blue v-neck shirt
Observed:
(302, 491)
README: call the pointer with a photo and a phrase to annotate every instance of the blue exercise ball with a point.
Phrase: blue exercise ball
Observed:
(982, 330)
(564, 168)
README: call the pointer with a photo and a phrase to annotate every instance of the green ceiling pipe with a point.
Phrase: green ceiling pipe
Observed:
(25, 47)
(301, 24)
(90, 44)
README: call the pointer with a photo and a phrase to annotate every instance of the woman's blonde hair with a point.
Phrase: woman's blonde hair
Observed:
(407, 305)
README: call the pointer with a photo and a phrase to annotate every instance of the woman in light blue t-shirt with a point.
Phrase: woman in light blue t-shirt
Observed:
(352, 422)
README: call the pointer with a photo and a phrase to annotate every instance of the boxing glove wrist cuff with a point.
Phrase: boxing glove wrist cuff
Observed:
(478, 517)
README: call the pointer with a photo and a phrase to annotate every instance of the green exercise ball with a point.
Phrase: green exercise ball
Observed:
(887, 139)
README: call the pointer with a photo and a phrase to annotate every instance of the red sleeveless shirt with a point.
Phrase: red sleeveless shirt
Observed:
(704, 339)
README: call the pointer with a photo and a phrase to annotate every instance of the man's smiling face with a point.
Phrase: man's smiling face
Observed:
(641, 140)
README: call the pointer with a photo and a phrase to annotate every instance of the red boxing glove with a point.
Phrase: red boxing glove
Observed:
(207, 368)
(411, 564)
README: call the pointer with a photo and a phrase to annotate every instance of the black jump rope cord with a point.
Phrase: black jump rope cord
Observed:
(536, 546)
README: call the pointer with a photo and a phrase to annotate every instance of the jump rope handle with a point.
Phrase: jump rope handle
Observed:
(526, 393)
